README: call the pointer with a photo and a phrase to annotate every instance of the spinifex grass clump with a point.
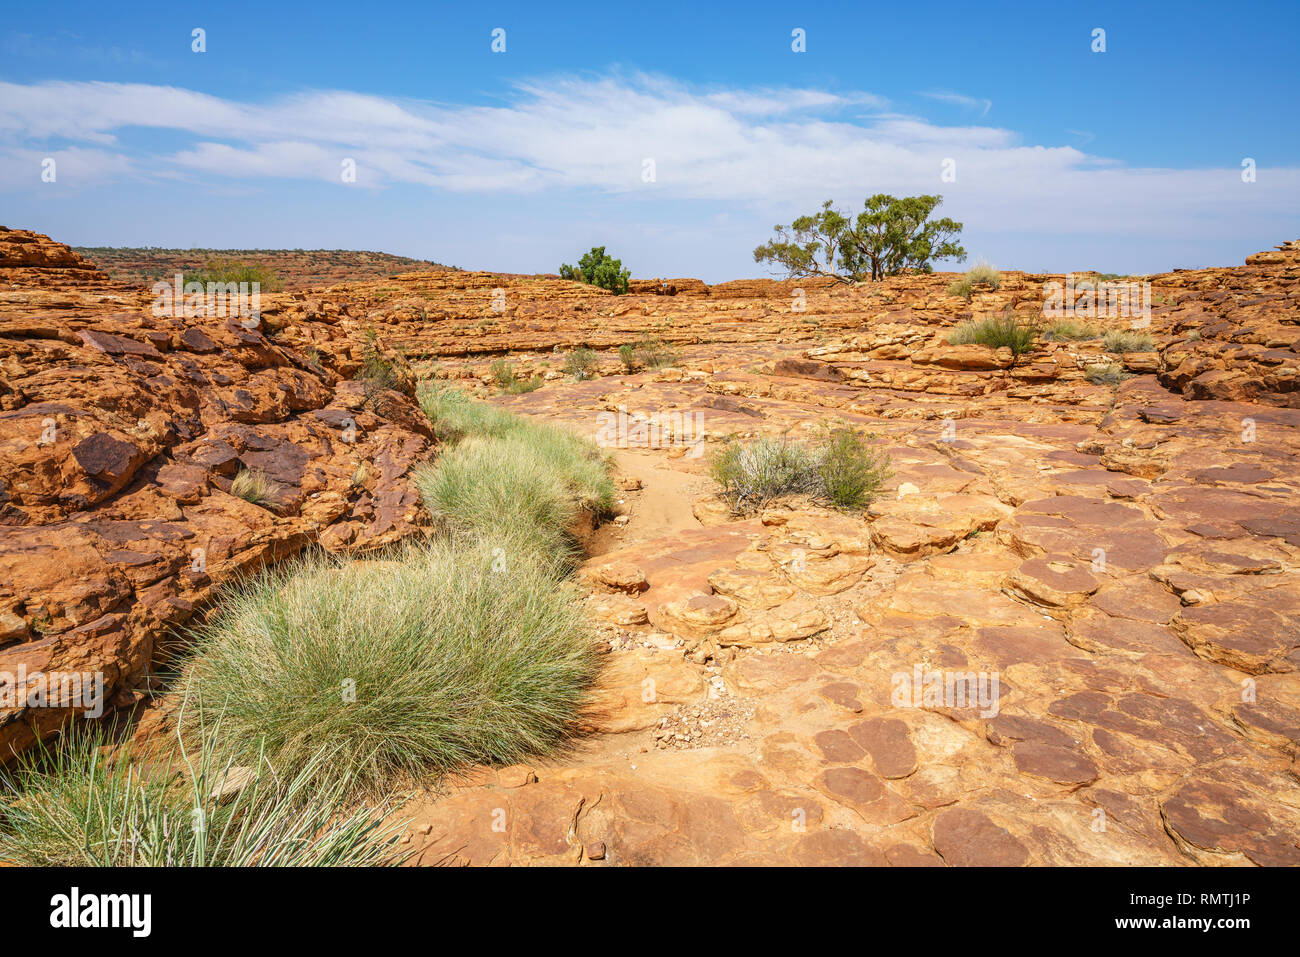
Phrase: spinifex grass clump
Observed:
(647, 354)
(1105, 373)
(1127, 340)
(981, 274)
(527, 480)
(252, 485)
(841, 468)
(467, 648)
(77, 804)
(437, 656)
(1070, 330)
(455, 414)
(997, 332)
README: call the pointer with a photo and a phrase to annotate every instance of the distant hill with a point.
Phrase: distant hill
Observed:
(296, 268)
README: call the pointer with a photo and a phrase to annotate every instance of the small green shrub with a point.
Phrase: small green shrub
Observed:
(1127, 340)
(751, 475)
(581, 363)
(627, 356)
(252, 485)
(503, 374)
(1105, 373)
(1070, 330)
(996, 332)
(378, 374)
(851, 470)
(840, 468)
(647, 354)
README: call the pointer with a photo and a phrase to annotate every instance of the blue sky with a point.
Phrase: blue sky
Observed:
(1124, 161)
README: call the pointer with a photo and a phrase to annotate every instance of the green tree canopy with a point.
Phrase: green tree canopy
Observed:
(889, 236)
(598, 269)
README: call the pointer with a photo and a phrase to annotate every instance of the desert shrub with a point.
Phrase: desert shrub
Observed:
(981, 274)
(597, 268)
(996, 332)
(654, 354)
(1070, 330)
(753, 474)
(233, 270)
(581, 363)
(840, 467)
(1105, 373)
(503, 374)
(1127, 340)
(252, 485)
(76, 804)
(852, 471)
(436, 656)
(627, 356)
(378, 374)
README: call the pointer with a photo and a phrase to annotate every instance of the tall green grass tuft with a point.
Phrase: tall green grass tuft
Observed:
(981, 274)
(996, 332)
(455, 414)
(78, 804)
(530, 481)
(437, 656)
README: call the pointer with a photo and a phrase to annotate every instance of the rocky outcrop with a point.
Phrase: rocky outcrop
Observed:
(121, 433)
(32, 259)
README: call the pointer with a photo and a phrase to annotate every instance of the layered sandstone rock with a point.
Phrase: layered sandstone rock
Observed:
(120, 436)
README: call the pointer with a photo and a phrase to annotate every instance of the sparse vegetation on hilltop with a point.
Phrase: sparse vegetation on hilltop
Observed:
(979, 275)
(293, 268)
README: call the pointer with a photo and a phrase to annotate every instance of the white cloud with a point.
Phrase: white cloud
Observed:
(769, 151)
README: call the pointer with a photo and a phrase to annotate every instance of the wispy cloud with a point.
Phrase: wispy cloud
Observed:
(766, 149)
(960, 99)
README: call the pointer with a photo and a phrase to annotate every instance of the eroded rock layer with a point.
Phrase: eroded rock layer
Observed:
(120, 436)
